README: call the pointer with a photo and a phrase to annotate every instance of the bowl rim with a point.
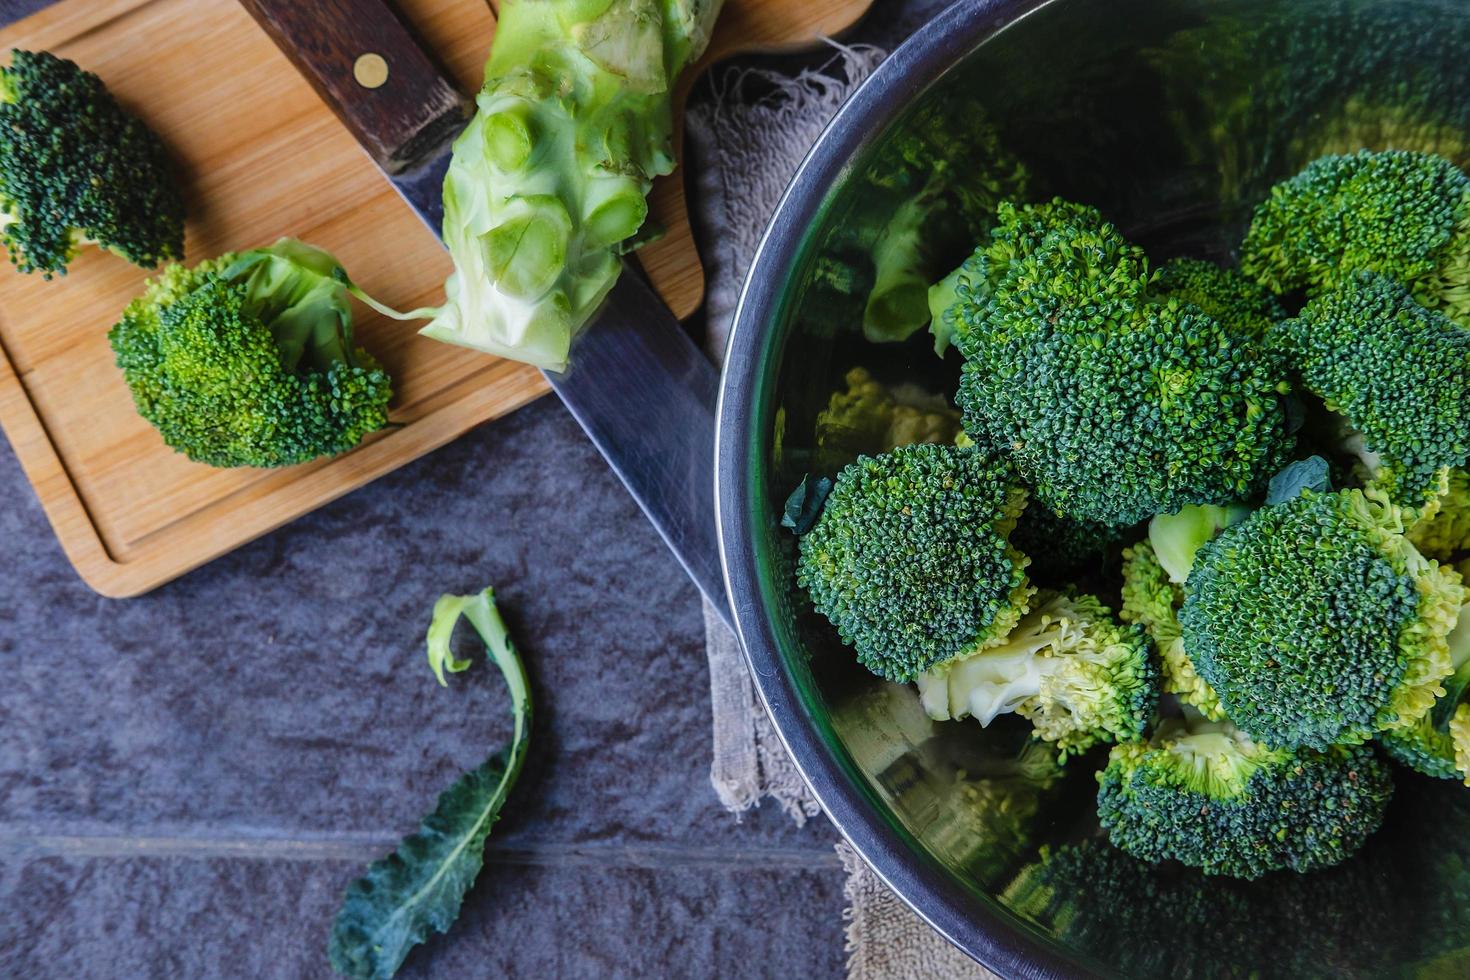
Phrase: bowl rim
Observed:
(993, 936)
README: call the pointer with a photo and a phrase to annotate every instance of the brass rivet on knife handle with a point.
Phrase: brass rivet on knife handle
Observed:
(402, 116)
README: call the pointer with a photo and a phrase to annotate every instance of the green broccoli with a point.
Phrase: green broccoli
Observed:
(1077, 675)
(1398, 373)
(1401, 214)
(1114, 404)
(249, 359)
(1241, 306)
(547, 184)
(1316, 622)
(911, 559)
(1442, 531)
(870, 417)
(1205, 794)
(75, 168)
(953, 179)
(1438, 744)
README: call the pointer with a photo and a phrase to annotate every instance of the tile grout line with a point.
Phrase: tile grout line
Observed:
(370, 847)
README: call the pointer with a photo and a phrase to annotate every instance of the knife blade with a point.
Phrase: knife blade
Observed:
(635, 382)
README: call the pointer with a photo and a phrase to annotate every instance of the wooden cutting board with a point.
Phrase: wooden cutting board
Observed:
(262, 157)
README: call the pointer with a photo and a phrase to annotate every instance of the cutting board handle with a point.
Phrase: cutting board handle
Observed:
(365, 62)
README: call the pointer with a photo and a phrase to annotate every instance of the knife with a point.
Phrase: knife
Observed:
(635, 382)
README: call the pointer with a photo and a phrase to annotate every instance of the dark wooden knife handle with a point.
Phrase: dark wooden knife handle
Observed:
(366, 63)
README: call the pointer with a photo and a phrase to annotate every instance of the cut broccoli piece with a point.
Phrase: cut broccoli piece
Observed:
(1397, 372)
(1205, 794)
(1442, 531)
(870, 417)
(911, 559)
(547, 184)
(1317, 622)
(1403, 215)
(249, 359)
(1068, 667)
(1241, 306)
(1438, 744)
(1115, 406)
(1152, 600)
(76, 168)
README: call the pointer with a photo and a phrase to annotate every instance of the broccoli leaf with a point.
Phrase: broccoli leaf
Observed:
(421, 885)
(1311, 474)
(804, 505)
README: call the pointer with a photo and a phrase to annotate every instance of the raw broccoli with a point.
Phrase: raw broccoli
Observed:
(1442, 531)
(953, 178)
(1068, 667)
(1317, 622)
(1241, 306)
(1438, 744)
(249, 359)
(75, 168)
(1205, 794)
(871, 417)
(1398, 373)
(1115, 405)
(911, 560)
(547, 184)
(1401, 214)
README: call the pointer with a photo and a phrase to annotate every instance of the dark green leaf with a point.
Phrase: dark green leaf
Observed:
(421, 886)
(1304, 474)
(804, 505)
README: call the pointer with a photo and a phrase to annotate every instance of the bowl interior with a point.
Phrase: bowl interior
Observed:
(1173, 117)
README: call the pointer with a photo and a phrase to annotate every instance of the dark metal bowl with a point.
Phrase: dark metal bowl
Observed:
(1172, 116)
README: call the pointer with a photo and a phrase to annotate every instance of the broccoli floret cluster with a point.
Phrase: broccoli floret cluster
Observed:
(76, 168)
(1209, 796)
(1115, 401)
(249, 359)
(1242, 307)
(1317, 622)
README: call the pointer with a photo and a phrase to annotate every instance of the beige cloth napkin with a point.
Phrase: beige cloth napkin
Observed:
(748, 140)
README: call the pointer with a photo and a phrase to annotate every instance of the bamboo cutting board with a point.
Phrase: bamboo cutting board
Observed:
(261, 157)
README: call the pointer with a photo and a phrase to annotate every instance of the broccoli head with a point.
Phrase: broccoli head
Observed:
(1114, 404)
(1397, 372)
(1151, 599)
(76, 168)
(1438, 744)
(911, 559)
(871, 417)
(1068, 667)
(249, 359)
(1317, 622)
(1205, 794)
(1402, 214)
(1241, 306)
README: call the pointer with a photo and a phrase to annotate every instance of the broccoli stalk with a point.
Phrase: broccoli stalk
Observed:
(249, 359)
(1207, 795)
(76, 169)
(1079, 677)
(547, 184)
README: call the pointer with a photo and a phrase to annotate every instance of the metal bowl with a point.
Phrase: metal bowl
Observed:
(1173, 117)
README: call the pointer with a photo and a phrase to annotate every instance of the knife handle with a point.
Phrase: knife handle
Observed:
(366, 63)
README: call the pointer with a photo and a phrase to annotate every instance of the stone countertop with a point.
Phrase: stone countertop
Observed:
(189, 779)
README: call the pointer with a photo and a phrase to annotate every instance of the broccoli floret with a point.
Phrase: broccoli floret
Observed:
(1114, 405)
(1442, 531)
(871, 417)
(1068, 667)
(1397, 372)
(1241, 306)
(1152, 600)
(76, 168)
(1438, 744)
(1205, 794)
(1062, 550)
(1403, 215)
(911, 558)
(547, 184)
(1317, 622)
(249, 359)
